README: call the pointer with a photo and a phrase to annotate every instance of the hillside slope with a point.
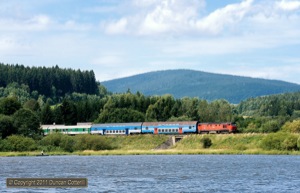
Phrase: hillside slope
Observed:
(190, 83)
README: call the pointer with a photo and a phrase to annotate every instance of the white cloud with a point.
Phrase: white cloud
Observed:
(216, 21)
(170, 17)
(119, 27)
(288, 5)
(156, 17)
(177, 17)
(34, 23)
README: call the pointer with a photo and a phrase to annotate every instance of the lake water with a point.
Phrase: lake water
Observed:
(160, 173)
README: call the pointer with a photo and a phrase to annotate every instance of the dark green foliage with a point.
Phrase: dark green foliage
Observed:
(69, 112)
(47, 116)
(91, 142)
(209, 86)
(6, 126)
(58, 115)
(51, 82)
(27, 123)
(18, 143)
(275, 105)
(58, 141)
(9, 105)
(270, 126)
(120, 115)
(32, 104)
(206, 142)
(19, 91)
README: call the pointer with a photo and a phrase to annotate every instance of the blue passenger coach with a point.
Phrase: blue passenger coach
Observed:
(116, 128)
(180, 127)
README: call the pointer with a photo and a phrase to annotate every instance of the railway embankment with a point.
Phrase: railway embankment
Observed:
(273, 143)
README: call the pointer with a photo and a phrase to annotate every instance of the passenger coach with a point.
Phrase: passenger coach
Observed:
(80, 128)
(116, 128)
(182, 127)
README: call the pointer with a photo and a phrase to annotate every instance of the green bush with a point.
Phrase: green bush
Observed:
(290, 143)
(279, 141)
(270, 126)
(293, 127)
(4, 145)
(54, 139)
(58, 141)
(272, 141)
(19, 143)
(91, 142)
(206, 142)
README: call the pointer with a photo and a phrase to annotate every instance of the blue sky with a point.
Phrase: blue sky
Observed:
(255, 38)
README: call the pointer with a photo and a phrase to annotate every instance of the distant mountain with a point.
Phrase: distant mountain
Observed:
(190, 83)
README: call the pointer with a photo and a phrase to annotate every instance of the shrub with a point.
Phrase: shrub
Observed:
(272, 141)
(293, 127)
(270, 126)
(290, 143)
(58, 141)
(54, 139)
(91, 142)
(279, 141)
(206, 142)
(20, 143)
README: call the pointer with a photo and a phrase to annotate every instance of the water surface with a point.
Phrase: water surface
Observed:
(160, 173)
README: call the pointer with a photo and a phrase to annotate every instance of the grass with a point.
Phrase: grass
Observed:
(190, 145)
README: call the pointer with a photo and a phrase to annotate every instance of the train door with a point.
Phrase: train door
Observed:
(155, 131)
(103, 131)
(180, 130)
(127, 131)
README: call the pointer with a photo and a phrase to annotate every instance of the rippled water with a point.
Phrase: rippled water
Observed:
(160, 173)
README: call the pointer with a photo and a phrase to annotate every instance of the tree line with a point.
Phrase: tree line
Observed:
(51, 82)
(22, 110)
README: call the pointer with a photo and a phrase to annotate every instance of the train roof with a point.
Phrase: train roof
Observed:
(117, 124)
(228, 123)
(64, 126)
(170, 123)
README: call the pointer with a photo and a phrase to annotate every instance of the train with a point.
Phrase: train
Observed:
(179, 127)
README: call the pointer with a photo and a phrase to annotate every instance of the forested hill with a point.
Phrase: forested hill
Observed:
(50, 82)
(209, 86)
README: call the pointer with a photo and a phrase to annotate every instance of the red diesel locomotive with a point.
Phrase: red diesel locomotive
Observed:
(216, 128)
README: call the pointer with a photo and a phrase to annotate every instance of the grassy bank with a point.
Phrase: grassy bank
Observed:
(269, 144)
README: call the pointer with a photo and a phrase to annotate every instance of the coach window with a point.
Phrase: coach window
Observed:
(146, 128)
(190, 127)
(83, 130)
(159, 130)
